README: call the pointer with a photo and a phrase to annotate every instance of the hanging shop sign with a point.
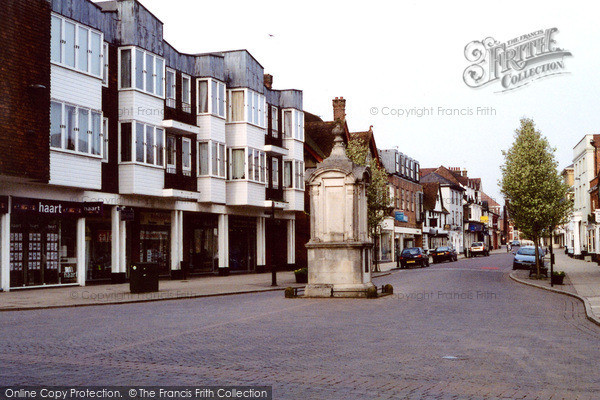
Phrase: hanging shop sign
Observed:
(127, 214)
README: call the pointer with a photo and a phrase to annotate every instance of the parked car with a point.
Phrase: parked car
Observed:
(444, 253)
(479, 249)
(525, 257)
(414, 256)
(515, 243)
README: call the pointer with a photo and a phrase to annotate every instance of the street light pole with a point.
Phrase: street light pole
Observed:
(551, 258)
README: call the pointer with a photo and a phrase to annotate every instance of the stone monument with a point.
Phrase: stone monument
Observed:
(339, 250)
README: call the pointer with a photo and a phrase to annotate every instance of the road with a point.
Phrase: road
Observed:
(460, 330)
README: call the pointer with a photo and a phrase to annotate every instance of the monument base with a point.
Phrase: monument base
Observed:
(358, 290)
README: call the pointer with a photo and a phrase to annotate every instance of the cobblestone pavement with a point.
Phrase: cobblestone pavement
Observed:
(501, 340)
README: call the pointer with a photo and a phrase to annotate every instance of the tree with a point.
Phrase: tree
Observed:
(533, 186)
(378, 196)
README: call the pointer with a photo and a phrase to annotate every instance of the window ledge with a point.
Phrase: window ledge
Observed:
(141, 164)
(77, 153)
(142, 92)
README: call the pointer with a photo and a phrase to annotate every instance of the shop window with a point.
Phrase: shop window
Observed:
(42, 252)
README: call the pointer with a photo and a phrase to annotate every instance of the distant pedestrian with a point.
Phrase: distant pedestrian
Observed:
(508, 247)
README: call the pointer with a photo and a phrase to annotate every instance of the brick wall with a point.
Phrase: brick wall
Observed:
(409, 205)
(24, 109)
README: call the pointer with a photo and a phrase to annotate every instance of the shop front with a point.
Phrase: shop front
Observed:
(242, 243)
(201, 242)
(98, 246)
(149, 239)
(45, 239)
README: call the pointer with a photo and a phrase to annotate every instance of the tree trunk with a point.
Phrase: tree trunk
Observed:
(537, 256)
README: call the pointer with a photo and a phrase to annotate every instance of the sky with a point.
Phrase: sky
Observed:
(384, 56)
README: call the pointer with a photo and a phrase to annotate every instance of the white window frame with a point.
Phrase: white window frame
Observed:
(63, 127)
(275, 177)
(249, 175)
(171, 168)
(156, 130)
(274, 119)
(88, 70)
(210, 95)
(105, 70)
(183, 166)
(171, 101)
(186, 107)
(254, 114)
(104, 140)
(157, 82)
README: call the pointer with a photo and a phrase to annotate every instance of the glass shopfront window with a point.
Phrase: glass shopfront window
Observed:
(42, 251)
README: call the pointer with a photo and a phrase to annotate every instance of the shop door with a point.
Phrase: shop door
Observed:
(203, 250)
(242, 244)
(155, 248)
(276, 239)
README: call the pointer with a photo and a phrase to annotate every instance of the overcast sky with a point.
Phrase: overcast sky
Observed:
(405, 55)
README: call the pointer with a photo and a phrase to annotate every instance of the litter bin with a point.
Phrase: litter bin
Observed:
(143, 277)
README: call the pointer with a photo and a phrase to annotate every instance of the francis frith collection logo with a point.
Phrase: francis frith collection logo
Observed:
(516, 62)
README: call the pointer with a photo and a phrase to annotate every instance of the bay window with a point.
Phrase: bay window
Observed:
(247, 106)
(248, 163)
(186, 93)
(236, 105)
(170, 90)
(146, 144)
(74, 128)
(76, 46)
(287, 174)
(211, 159)
(143, 69)
(211, 97)
(299, 175)
(287, 124)
(203, 159)
(238, 167)
(186, 155)
(293, 124)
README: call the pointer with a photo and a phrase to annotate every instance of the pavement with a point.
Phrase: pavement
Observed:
(582, 280)
(454, 331)
(98, 295)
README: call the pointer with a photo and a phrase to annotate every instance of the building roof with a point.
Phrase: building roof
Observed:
(430, 193)
(435, 177)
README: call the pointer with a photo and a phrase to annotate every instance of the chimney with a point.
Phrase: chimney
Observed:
(269, 81)
(464, 173)
(339, 109)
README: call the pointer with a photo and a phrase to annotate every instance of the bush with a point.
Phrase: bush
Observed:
(289, 293)
(372, 292)
(558, 273)
(388, 289)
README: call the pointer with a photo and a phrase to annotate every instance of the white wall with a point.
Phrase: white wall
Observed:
(75, 170)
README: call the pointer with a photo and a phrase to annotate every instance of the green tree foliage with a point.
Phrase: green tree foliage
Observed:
(378, 195)
(532, 185)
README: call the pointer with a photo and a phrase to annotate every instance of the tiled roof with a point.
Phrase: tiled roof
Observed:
(430, 192)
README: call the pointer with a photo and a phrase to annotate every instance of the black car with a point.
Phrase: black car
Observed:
(414, 256)
(444, 253)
